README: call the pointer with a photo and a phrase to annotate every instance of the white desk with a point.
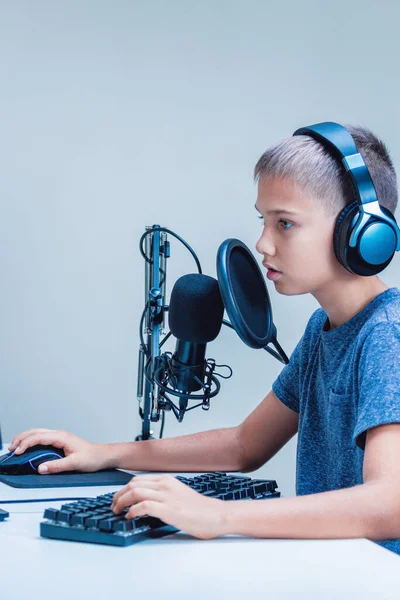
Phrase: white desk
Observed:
(178, 565)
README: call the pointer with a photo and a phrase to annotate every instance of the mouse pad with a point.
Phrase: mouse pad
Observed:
(67, 479)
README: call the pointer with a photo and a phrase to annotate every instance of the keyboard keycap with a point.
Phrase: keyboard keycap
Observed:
(94, 520)
(124, 525)
(50, 513)
(80, 518)
(152, 522)
(63, 516)
(107, 524)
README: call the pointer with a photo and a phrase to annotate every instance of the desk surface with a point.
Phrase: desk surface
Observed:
(178, 565)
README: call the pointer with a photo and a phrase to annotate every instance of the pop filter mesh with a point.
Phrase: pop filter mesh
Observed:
(195, 309)
(249, 291)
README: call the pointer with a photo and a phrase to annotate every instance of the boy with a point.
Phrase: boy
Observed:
(340, 391)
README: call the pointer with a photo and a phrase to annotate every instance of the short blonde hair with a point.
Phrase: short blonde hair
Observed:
(308, 163)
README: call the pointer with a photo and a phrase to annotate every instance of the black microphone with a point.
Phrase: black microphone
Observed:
(195, 318)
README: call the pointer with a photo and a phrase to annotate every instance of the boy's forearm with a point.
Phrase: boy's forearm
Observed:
(214, 450)
(364, 511)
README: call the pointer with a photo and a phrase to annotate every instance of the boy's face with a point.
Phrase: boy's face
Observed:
(297, 242)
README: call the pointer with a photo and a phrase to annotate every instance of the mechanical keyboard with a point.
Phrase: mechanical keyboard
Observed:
(91, 519)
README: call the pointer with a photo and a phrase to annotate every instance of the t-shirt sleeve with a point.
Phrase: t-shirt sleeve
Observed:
(287, 385)
(379, 380)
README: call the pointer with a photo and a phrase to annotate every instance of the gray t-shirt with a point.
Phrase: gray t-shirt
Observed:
(342, 382)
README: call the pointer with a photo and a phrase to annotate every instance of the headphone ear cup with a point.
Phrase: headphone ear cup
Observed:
(356, 260)
(341, 232)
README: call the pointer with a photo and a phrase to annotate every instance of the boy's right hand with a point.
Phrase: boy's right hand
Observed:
(80, 455)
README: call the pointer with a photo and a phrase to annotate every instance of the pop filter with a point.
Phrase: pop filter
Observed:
(245, 297)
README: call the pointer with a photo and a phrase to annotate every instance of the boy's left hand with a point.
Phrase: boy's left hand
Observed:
(173, 502)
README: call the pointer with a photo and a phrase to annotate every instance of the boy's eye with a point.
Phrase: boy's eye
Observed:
(286, 224)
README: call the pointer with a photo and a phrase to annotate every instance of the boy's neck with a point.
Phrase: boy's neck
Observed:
(344, 299)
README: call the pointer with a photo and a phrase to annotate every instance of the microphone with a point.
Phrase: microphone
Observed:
(195, 318)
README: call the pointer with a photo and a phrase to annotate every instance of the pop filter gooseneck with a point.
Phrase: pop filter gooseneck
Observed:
(245, 297)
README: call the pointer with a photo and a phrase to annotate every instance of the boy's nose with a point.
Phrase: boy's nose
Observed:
(265, 245)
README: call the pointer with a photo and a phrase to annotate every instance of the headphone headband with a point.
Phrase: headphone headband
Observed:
(336, 138)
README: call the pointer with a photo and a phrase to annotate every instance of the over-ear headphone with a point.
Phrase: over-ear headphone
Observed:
(366, 234)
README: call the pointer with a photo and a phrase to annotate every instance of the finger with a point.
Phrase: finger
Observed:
(18, 438)
(123, 490)
(134, 496)
(134, 483)
(56, 466)
(51, 438)
(131, 487)
(152, 508)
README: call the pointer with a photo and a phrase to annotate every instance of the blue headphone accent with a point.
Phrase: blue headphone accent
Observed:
(366, 234)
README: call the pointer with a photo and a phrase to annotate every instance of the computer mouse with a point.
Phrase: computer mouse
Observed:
(28, 462)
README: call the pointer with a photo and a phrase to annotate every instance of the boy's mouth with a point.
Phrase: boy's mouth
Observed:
(270, 267)
(273, 274)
